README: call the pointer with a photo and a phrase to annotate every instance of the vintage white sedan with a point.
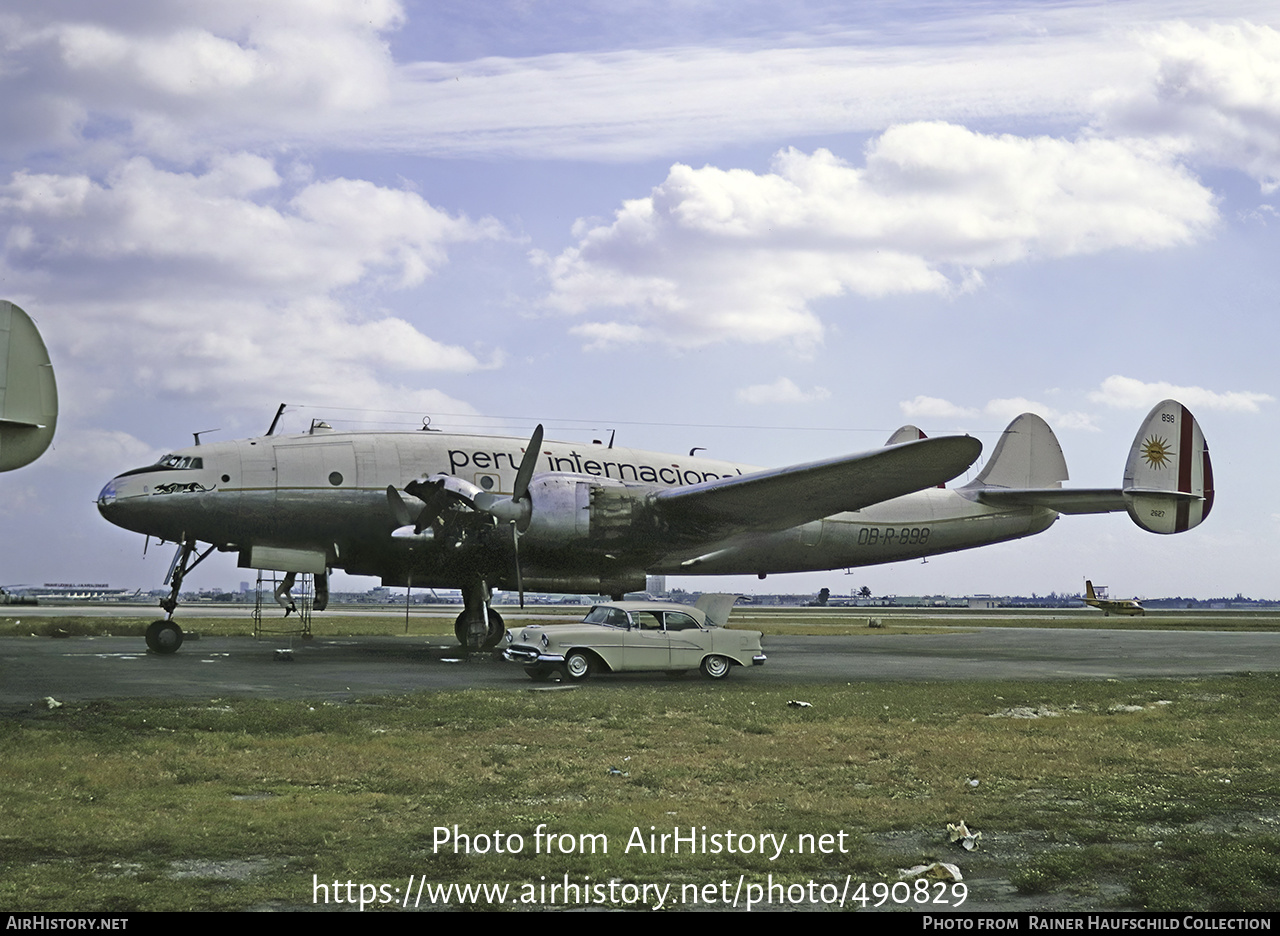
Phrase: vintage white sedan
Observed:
(637, 635)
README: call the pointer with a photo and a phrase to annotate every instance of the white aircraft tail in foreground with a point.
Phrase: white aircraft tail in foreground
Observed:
(441, 510)
(28, 394)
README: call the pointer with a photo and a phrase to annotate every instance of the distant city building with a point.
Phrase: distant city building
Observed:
(65, 591)
(655, 584)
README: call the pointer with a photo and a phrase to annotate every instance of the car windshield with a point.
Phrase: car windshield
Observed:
(612, 617)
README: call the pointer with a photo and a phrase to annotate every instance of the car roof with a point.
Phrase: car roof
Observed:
(695, 613)
(645, 605)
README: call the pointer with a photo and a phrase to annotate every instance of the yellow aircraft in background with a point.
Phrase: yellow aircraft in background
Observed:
(1109, 606)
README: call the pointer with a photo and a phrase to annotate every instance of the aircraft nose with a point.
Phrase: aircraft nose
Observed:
(107, 502)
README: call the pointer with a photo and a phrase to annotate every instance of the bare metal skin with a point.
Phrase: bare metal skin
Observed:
(432, 509)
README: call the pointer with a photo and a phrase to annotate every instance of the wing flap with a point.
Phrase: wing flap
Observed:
(787, 497)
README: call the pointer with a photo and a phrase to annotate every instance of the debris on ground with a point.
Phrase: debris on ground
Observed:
(52, 702)
(796, 703)
(959, 834)
(938, 871)
(1026, 711)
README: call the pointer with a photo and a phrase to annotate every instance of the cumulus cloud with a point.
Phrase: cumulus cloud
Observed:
(728, 254)
(1015, 406)
(1211, 92)
(225, 280)
(221, 227)
(1130, 393)
(177, 74)
(782, 390)
(927, 407)
(79, 448)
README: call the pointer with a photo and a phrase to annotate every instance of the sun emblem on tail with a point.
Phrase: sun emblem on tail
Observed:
(1156, 452)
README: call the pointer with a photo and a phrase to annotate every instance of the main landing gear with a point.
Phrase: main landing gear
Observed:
(165, 636)
(478, 627)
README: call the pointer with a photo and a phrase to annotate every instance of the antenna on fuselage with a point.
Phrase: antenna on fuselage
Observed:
(197, 435)
(276, 421)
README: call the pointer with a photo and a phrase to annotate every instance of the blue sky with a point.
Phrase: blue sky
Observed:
(778, 232)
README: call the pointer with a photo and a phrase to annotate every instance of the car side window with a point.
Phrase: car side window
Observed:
(614, 617)
(679, 621)
(647, 620)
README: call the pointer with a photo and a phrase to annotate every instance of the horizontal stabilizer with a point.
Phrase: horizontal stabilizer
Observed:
(1067, 501)
(1168, 478)
(787, 497)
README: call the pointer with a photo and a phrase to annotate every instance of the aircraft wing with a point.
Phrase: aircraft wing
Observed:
(1078, 501)
(785, 497)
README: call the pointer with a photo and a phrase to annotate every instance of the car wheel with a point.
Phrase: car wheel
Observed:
(715, 667)
(577, 666)
(164, 637)
(538, 673)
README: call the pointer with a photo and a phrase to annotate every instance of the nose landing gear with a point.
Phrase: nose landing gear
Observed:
(165, 636)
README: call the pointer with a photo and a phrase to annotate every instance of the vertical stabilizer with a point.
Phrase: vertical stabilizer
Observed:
(907, 433)
(28, 394)
(1027, 456)
(1168, 478)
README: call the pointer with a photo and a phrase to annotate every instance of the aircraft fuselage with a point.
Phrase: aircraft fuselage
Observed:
(323, 496)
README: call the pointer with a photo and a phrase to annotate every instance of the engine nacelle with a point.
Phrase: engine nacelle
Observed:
(1168, 478)
(573, 507)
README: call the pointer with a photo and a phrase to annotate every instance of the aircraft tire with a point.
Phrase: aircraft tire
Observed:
(715, 667)
(164, 637)
(492, 636)
(496, 630)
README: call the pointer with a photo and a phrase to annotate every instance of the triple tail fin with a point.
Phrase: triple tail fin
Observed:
(1168, 478)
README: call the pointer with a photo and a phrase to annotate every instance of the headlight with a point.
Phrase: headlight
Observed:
(510, 637)
(545, 642)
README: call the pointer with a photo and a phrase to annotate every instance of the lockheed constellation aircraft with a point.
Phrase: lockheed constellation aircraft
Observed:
(433, 509)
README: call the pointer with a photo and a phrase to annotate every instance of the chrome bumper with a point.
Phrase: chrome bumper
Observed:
(531, 657)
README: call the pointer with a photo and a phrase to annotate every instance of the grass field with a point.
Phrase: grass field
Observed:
(1089, 795)
(438, 621)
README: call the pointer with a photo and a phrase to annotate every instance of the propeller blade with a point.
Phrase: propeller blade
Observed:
(399, 509)
(515, 546)
(524, 474)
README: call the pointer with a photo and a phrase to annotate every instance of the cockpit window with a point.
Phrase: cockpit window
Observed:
(180, 462)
